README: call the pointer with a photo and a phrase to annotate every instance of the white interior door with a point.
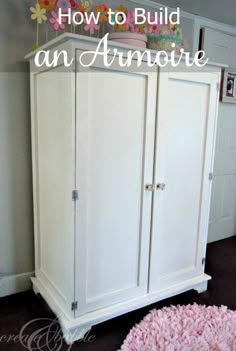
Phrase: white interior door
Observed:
(221, 47)
(184, 153)
(115, 145)
(223, 205)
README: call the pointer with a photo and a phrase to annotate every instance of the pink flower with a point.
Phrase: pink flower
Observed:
(91, 26)
(64, 5)
(130, 20)
(73, 4)
(55, 21)
(154, 28)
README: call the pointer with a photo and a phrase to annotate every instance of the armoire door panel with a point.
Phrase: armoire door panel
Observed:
(185, 135)
(115, 123)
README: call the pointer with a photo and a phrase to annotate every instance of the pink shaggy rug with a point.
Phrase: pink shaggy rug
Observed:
(184, 328)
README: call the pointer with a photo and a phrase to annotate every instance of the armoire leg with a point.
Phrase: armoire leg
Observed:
(200, 288)
(76, 334)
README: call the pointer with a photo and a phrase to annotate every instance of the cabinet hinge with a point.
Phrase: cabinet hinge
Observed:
(74, 305)
(203, 261)
(210, 176)
(218, 86)
(75, 195)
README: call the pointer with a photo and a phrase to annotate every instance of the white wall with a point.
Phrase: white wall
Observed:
(16, 219)
(16, 227)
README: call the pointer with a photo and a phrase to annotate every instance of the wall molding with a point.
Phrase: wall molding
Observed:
(14, 284)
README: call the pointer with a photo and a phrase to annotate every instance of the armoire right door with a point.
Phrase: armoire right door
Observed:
(186, 124)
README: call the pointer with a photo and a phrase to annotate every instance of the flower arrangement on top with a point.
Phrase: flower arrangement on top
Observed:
(46, 13)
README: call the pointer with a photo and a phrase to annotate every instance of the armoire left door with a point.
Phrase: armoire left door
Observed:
(115, 126)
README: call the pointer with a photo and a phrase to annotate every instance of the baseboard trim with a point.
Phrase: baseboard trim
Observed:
(14, 284)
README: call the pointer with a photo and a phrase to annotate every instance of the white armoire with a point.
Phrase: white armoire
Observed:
(122, 164)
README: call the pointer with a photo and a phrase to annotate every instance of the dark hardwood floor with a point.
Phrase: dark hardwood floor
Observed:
(18, 310)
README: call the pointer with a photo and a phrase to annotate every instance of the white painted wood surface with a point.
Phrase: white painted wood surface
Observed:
(97, 135)
(75, 328)
(222, 46)
(115, 121)
(53, 106)
(223, 209)
(184, 159)
(219, 46)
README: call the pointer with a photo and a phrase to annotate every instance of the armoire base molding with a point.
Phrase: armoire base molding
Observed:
(75, 329)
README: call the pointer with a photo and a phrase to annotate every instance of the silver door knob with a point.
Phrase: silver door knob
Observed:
(150, 187)
(160, 186)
